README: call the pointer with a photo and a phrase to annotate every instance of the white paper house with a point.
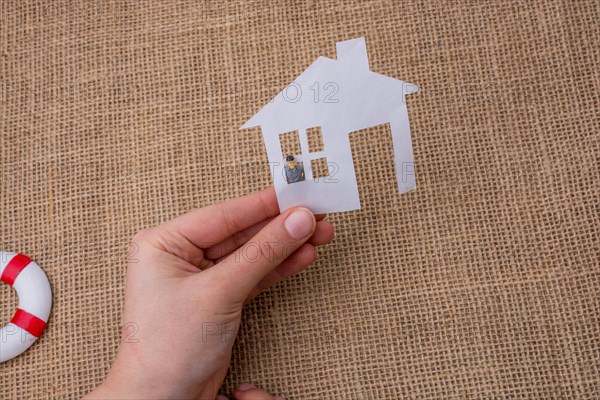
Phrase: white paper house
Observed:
(338, 96)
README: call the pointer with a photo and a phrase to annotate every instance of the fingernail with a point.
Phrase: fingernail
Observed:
(222, 397)
(299, 223)
(244, 387)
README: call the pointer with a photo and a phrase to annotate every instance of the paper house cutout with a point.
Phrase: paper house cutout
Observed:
(338, 97)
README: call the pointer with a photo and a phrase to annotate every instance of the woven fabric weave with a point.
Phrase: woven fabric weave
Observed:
(484, 283)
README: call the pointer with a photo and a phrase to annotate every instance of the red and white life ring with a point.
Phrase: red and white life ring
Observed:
(35, 302)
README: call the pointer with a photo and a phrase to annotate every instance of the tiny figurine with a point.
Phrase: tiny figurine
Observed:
(294, 170)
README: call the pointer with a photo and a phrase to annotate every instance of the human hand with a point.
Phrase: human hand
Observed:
(246, 391)
(185, 292)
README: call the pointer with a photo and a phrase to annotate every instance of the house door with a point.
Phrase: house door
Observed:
(373, 155)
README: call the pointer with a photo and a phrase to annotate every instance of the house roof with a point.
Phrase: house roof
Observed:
(343, 92)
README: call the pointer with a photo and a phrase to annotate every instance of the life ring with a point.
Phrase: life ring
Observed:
(35, 302)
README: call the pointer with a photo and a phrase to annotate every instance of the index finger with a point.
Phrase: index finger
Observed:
(207, 226)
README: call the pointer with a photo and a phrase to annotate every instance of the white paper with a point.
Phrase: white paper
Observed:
(339, 96)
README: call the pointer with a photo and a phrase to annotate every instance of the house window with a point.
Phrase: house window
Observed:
(303, 144)
(319, 168)
(315, 139)
(290, 143)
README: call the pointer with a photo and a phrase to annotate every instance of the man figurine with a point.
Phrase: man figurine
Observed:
(294, 171)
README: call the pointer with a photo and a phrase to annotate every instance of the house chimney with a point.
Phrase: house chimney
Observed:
(355, 50)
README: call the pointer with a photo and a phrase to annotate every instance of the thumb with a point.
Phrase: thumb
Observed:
(242, 270)
(246, 391)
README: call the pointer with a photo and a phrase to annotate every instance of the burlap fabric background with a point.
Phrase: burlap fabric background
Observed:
(483, 283)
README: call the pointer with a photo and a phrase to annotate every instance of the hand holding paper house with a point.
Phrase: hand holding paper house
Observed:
(352, 98)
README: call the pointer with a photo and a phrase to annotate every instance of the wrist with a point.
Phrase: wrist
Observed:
(141, 386)
(113, 388)
(131, 382)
